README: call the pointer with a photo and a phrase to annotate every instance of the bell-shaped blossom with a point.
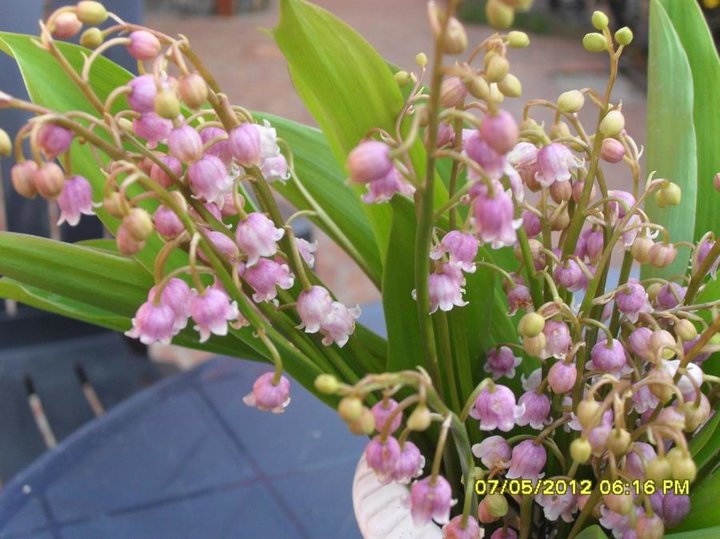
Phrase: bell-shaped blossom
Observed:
(142, 93)
(54, 140)
(639, 342)
(185, 144)
(143, 45)
(222, 244)
(610, 359)
(221, 147)
(369, 161)
(382, 411)
(275, 168)
(314, 306)
(557, 506)
(674, 508)
(562, 377)
(569, 275)
(644, 400)
(268, 396)
(381, 456)
(338, 327)
(268, 140)
(518, 297)
(557, 339)
(527, 461)
(640, 454)
(500, 130)
(307, 251)
(383, 189)
(209, 179)
(257, 236)
(152, 128)
(501, 362)
(266, 276)
(158, 174)
(409, 465)
(670, 296)
(535, 410)
(456, 530)
(431, 500)
(494, 452)
(493, 217)
(175, 294)
(495, 408)
(153, 323)
(245, 144)
(446, 289)
(531, 223)
(523, 158)
(75, 200)
(211, 311)
(555, 163)
(691, 378)
(461, 248)
(632, 299)
(493, 164)
(167, 223)
(619, 204)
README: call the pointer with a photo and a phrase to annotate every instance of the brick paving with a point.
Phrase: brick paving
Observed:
(250, 68)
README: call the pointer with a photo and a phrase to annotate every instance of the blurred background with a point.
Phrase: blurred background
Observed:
(61, 381)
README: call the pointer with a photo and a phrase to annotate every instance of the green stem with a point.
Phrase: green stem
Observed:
(446, 352)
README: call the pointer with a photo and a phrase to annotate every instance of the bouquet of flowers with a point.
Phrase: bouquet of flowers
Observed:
(548, 369)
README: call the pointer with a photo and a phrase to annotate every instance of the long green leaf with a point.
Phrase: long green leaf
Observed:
(705, 533)
(706, 444)
(703, 506)
(592, 532)
(689, 23)
(671, 144)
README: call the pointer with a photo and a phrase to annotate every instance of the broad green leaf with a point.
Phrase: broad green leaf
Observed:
(592, 532)
(321, 176)
(706, 444)
(705, 533)
(689, 23)
(671, 144)
(703, 506)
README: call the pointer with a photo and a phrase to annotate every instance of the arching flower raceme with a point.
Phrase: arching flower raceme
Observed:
(153, 323)
(211, 311)
(430, 500)
(495, 409)
(266, 276)
(75, 200)
(257, 236)
(267, 396)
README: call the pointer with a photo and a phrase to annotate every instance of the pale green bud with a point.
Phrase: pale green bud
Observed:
(531, 325)
(612, 124)
(580, 450)
(402, 78)
(499, 15)
(327, 383)
(91, 13)
(350, 408)
(668, 195)
(594, 42)
(624, 36)
(517, 39)
(5, 143)
(496, 68)
(421, 59)
(92, 38)
(510, 86)
(571, 101)
(599, 20)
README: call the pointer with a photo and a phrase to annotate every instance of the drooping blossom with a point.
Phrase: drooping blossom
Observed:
(430, 500)
(257, 236)
(455, 529)
(494, 452)
(632, 299)
(209, 179)
(153, 323)
(175, 294)
(369, 161)
(381, 412)
(338, 327)
(211, 311)
(446, 289)
(527, 461)
(75, 200)
(535, 410)
(384, 188)
(268, 396)
(409, 465)
(495, 409)
(501, 362)
(266, 276)
(461, 248)
(314, 306)
(555, 163)
(382, 455)
(494, 217)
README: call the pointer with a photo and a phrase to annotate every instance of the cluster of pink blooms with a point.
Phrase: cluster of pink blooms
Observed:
(199, 163)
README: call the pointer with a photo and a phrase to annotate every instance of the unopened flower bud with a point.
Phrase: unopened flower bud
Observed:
(587, 411)
(668, 195)
(115, 205)
(23, 178)
(125, 124)
(663, 343)
(92, 38)
(660, 384)
(185, 144)
(571, 101)
(517, 39)
(662, 255)
(694, 415)
(455, 39)
(620, 503)
(452, 92)
(496, 504)
(402, 78)
(624, 36)
(685, 330)
(599, 20)
(364, 425)
(138, 224)
(126, 243)
(421, 59)
(618, 442)
(640, 249)
(49, 181)
(580, 450)
(166, 104)
(479, 88)
(350, 408)
(612, 150)
(499, 15)
(420, 418)
(658, 470)
(327, 384)
(612, 124)
(369, 161)
(65, 25)
(534, 346)
(143, 45)
(684, 469)
(510, 86)
(561, 220)
(649, 527)
(193, 90)
(500, 131)
(91, 13)
(54, 140)
(496, 67)
(594, 42)
(531, 325)
(5, 143)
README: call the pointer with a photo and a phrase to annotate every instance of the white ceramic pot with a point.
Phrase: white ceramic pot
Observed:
(382, 511)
